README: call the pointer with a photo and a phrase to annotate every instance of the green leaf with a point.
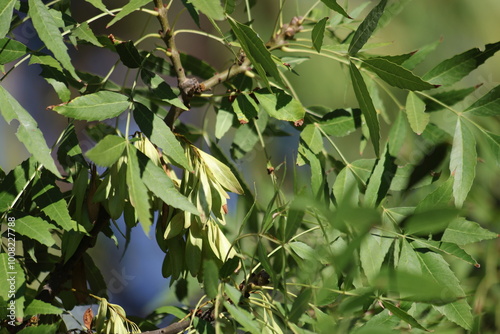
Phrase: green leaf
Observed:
(429, 222)
(397, 135)
(223, 122)
(415, 111)
(57, 80)
(42, 328)
(160, 134)
(129, 55)
(441, 197)
(318, 33)
(245, 319)
(161, 89)
(312, 138)
(366, 28)
(256, 51)
(11, 50)
(449, 98)
(211, 8)
(420, 55)
(39, 307)
(304, 251)
(161, 185)
(280, 105)
(244, 141)
(345, 188)
(42, 59)
(94, 107)
(366, 105)
(16, 182)
(84, 33)
(35, 228)
(380, 180)
(48, 31)
(463, 160)
(221, 173)
(6, 10)
(340, 122)
(107, 151)
(300, 305)
(28, 132)
(459, 312)
(372, 252)
(403, 315)
(396, 75)
(210, 278)
(463, 232)
(100, 5)
(132, 6)
(455, 68)
(488, 105)
(494, 143)
(332, 4)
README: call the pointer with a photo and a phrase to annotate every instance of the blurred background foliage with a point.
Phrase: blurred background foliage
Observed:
(459, 25)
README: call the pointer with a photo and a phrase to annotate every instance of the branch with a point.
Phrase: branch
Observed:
(171, 329)
(243, 66)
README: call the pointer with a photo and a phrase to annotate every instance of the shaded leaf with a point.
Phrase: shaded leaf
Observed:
(420, 55)
(210, 278)
(48, 31)
(380, 180)
(440, 197)
(130, 7)
(396, 75)
(403, 315)
(57, 80)
(463, 232)
(429, 163)
(455, 68)
(318, 33)
(300, 305)
(463, 160)
(160, 134)
(372, 252)
(28, 132)
(449, 98)
(245, 319)
(94, 107)
(161, 89)
(99, 5)
(366, 28)
(340, 122)
(429, 222)
(107, 151)
(129, 55)
(11, 50)
(487, 105)
(280, 105)
(366, 105)
(256, 51)
(415, 110)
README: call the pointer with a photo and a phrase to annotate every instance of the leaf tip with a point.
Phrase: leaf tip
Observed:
(477, 265)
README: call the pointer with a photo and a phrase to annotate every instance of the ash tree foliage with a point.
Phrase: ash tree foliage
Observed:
(322, 245)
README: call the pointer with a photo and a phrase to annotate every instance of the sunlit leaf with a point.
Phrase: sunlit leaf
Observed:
(130, 7)
(455, 68)
(36, 228)
(39, 307)
(366, 105)
(11, 50)
(49, 33)
(429, 222)
(6, 10)
(94, 107)
(244, 318)
(211, 8)
(107, 151)
(403, 315)
(415, 110)
(463, 160)
(366, 28)
(280, 105)
(221, 173)
(83, 32)
(463, 232)
(28, 132)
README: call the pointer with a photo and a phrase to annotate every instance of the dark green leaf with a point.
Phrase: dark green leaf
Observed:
(162, 186)
(57, 80)
(210, 278)
(211, 8)
(441, 197)
(15, 182)
(129, 55)
(107, 151)
(293, 219)
(429, 163)
(300, 305)
(137, 190)
(380, 180)
(420, 55)
(403, 315)
(366, 28)
(99, 5)
(446, 248)
(415, 111)
(366, 105)
(462, 232)
(130, 7)
(435, 135)
(449, 98)
(28, 132)
(429, 222)
(396, 75)
(256, 51)
(488, 105)
(160, 134)
(463, 160)
(6, 10)
(48, 31)
(161, 89)
(340, 122)
(94, 107)
(11, 50)
(245, 319)
(318, 33)
(35, 228)
(280, 105)
(332, 4)
(455, 68)
(192, 11)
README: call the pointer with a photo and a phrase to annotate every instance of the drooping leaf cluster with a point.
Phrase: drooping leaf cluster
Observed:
(357, 246)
